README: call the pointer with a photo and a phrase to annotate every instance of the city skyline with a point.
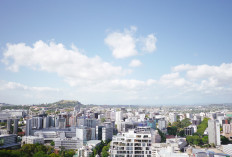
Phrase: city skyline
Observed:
(116, 52)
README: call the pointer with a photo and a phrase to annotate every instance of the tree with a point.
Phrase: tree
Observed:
(40, 154)
(185, 123)
(193, 140)
(201, 128)
(181, 133)
(205, 140)
(172, 130)
(52, 143)
(162, 135)
(105, 150)
(53, 155)
(69, 153)
(224, 140)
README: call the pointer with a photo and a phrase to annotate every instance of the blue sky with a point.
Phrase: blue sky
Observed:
(116, 52)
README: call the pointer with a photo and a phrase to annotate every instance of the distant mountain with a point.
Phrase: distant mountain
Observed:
(63, 104)
(4, 104)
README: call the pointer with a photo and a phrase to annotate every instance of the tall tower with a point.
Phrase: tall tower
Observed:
(8, 125)
(28, 127)
(15, 126)
(214, 132)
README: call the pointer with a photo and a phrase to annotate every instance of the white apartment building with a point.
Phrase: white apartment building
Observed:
(214, 132)
(172, 147)
(32, 140)
(85, 151)
(172, 117)
(227, 128)
(134, 143)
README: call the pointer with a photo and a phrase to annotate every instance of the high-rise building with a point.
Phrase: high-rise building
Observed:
(214, 132)
(51, 121)
(118, 116)
(37, 123)
(89, 122)
(85, 133)
(62, 123)
(46, 122)
(172, 117)
(162, 124)
(99, 132)
(107, 132)
(28, 127)
(8, 125)
(15, 131)
(118, 120)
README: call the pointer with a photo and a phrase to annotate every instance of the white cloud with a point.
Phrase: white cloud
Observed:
(17, 93)
(94, 79)
(135, 63)
(122, 44)
(149, 43)
(126, 44)
(67, 63)
(19, 86)
(202, 78)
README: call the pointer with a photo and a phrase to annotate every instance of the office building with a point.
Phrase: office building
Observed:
(15, 131)
(88, 122)
(162, 125)
(46, 122)
(28, 127)
(8, 125)
(85, 133)
(107, 133)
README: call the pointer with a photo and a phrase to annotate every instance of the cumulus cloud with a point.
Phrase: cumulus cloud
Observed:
(203, 78)
(126, 44)
(76, 68)
(70, 64)
(149, 43)
(135, 63)
(122, 44)
(93, 75)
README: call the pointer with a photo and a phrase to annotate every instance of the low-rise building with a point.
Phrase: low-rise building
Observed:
(68, 143)
(8, 141)
(32, 140)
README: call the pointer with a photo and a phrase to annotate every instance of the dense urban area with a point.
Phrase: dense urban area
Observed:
(71, 129)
